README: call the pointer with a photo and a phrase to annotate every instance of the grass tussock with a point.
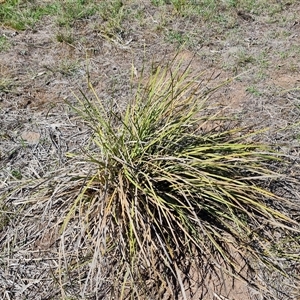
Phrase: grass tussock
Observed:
(163, 193)
(169, 187)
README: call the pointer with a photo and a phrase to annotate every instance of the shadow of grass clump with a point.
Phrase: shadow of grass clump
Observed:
(170, 189)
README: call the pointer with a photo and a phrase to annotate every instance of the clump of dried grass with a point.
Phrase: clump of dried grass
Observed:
(161, 189)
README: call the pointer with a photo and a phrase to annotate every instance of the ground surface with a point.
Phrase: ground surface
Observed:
(43, 64)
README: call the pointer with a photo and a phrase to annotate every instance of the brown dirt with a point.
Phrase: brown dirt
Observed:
(36, 126)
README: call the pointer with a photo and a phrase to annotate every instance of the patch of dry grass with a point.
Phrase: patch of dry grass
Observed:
(156, 197)
(159, 187)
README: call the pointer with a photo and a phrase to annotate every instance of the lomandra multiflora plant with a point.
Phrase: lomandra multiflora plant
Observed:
(172, 188)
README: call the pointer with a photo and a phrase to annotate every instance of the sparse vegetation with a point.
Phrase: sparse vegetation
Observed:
(4, 43)
(181, 182)
(253, 90)
(22, 14)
